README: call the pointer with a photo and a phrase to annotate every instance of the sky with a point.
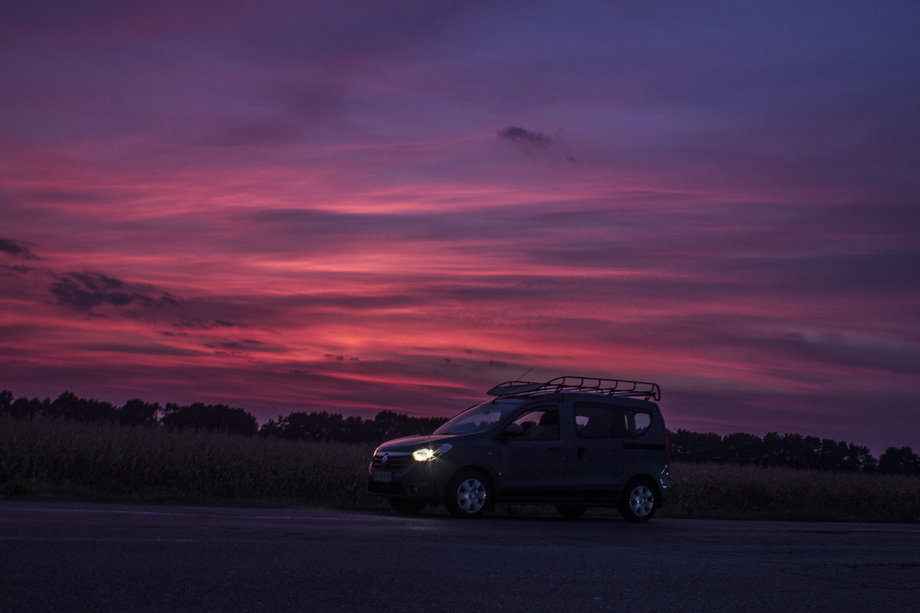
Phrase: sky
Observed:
(358, 206)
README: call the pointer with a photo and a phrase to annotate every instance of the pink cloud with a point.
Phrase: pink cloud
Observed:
(215, 207)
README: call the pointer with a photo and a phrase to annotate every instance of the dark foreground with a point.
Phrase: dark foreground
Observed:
(85, 557)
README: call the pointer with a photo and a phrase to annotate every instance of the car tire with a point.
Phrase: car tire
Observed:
(469, 494)
(571, 511)
(638, 501)
(407, 506)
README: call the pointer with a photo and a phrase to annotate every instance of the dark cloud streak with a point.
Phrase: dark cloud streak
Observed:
(85, 291)
(525, 139)
(15, 249)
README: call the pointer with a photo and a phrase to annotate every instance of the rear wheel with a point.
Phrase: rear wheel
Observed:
(571, 510)
(469, 494)
(407, 506)
(638, 501)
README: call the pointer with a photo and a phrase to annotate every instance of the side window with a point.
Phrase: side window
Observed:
(597, 420)
(540, 424)
(638, 422)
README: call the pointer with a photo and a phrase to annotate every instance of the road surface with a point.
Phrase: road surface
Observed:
(91, 557)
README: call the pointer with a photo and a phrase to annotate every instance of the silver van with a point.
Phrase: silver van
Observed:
(573, 442)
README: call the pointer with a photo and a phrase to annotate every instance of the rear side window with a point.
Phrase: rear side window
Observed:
(598, 420)
(637, 422)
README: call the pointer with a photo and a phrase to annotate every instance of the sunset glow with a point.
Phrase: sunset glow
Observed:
(362, 206)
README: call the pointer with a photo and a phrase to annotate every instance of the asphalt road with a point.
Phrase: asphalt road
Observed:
(86, 557)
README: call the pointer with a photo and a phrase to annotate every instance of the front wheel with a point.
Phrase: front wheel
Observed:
(638, 501)
(469, 494)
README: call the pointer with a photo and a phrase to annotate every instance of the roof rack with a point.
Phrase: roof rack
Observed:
(610, 387)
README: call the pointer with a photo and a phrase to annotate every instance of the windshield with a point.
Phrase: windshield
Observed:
(480, 418)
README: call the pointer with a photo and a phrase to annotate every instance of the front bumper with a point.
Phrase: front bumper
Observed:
(406, 478)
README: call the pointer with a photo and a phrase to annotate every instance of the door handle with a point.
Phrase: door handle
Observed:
(581, 453)
(554, 449)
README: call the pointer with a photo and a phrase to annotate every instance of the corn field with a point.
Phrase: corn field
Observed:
(71, 461)
(67, 460)
(725, 491)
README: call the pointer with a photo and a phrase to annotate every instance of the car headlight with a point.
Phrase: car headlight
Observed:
(427, 454)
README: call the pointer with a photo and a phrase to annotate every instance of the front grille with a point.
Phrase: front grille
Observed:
(392, 460)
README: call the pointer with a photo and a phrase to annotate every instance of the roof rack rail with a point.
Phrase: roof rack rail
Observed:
(610, 387)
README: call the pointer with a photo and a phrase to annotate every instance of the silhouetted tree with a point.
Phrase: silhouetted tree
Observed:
(69, 406)
(773, 450)
(741, 448)
(271, 428)
(695, 447)
(792, 450)
(326, 426)
(209, 417)
(354, 429)
(390, 424)
(899, 461)
(831, 454)
(302, 426)
(859, 458)
(25, 408)
(801, 451)
(136, 412)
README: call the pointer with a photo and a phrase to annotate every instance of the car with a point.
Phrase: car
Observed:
(572, 441)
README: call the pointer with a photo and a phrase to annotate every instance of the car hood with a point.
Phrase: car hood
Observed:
(411, 443)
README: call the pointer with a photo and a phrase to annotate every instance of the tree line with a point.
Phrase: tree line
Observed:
(136, 412)
(793, 450)
(773, 449)
(316, 426)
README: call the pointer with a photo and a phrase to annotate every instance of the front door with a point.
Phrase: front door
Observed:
(533, 453)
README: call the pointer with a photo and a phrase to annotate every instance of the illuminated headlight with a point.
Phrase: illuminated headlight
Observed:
(429, 453)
